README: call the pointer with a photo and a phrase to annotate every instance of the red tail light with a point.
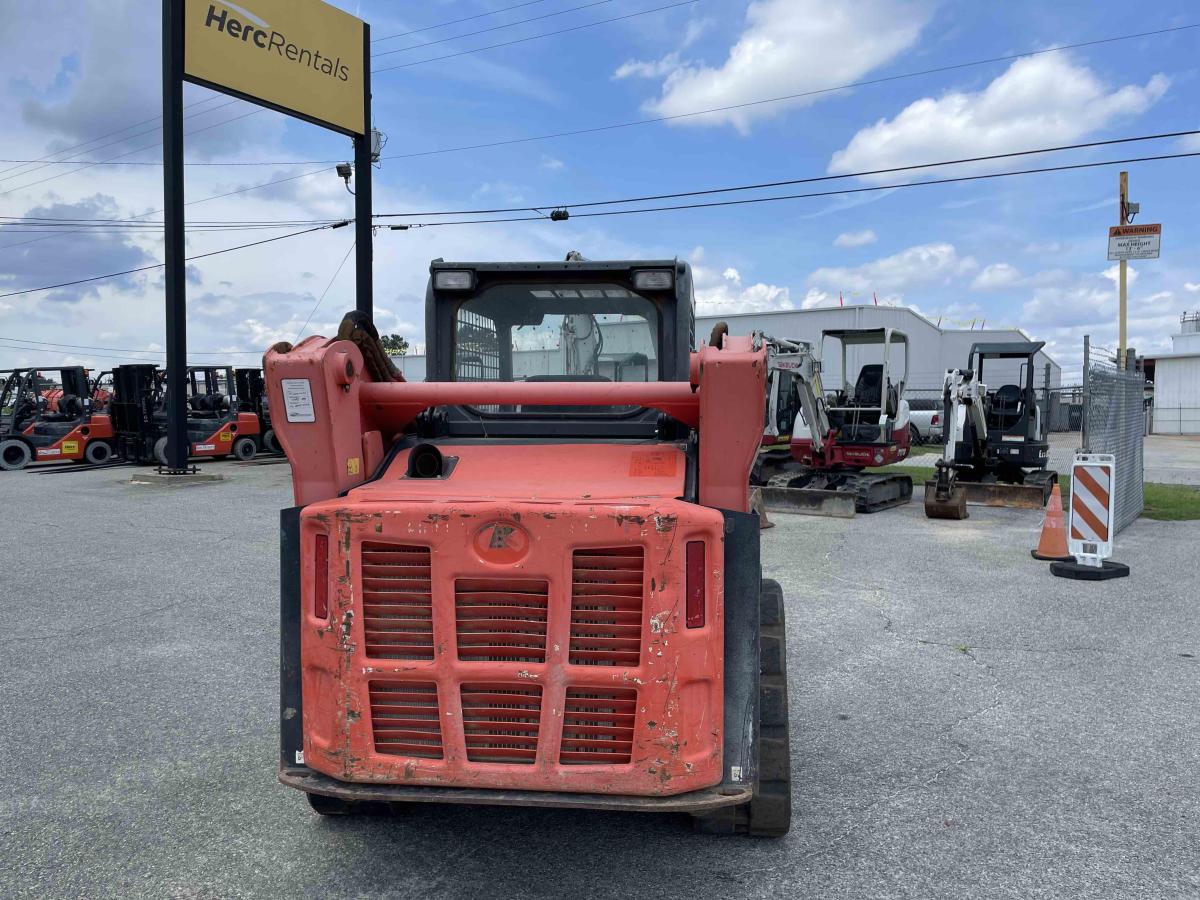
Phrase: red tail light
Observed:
(695, 584)
(934, 420)
(321, 576)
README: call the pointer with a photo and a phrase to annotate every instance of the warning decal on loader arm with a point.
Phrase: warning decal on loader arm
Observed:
(297, 400)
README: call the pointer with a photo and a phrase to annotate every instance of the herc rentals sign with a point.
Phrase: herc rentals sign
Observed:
(303, 57)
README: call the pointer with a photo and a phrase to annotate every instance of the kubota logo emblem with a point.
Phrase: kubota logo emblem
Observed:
(502, 543)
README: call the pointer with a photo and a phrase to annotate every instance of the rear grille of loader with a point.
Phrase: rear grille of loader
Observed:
(606, 607)
(397, 601)
(598, 726)
(501, 619)
(405, 721)
(501, 722)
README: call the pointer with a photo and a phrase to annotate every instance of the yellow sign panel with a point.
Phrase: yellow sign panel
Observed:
(70, 447)
(303, 56)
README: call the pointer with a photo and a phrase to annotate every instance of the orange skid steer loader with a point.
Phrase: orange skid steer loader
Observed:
(526, 581)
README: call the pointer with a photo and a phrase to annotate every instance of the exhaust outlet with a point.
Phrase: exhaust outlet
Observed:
(426, 461)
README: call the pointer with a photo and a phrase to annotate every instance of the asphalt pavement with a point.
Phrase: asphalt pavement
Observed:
(964, 725)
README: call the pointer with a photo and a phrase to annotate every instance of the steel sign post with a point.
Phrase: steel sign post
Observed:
(175, 273)
(305, 58)
(363, 232)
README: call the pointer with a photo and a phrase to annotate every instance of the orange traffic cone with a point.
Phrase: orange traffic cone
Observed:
(1053, 543)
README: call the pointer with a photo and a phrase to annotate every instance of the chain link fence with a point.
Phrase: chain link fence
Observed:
(1115, 423)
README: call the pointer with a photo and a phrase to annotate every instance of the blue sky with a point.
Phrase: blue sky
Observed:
(1025, 251)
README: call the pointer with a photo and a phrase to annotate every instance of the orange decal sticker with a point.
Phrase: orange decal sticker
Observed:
(653, 463)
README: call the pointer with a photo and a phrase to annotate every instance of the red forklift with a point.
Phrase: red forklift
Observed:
(48, 415)
(216, 425)
(818, 446)
(522, 582)
(252, 398)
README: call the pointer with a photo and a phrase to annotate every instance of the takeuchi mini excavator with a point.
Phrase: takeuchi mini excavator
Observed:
(528, 581)
(48, 415)
(818, 446)
(996, 449)
(216, 426)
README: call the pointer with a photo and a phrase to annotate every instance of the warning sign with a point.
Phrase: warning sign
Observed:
(1134, 241)
(653, 463)
(1092, 490)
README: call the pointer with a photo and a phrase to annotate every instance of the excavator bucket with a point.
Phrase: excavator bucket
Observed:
(809, 501)
(953, 506)
(995, 494)
(1011, 496)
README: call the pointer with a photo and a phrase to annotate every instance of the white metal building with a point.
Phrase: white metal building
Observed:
(1177, 381)
(932, 350)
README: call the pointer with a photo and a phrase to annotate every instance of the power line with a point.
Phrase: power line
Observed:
(494, 12)
(786, 97)
(536, 37)
(127, 349)
(651, 121)
(281, 237)
(321, 299)
(809, 180)
(244, 190)
(844, 191)
(458, 37)
(124, 140)
(46, 158)
(61, 353)
(21, 187)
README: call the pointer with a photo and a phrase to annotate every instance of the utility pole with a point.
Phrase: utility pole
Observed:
(1122, 219)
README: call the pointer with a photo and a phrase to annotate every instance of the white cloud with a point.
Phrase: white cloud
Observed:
(1191, 287)
(855, 238)
(655, 68)
(1039, 101)
(723, 292)
(890, 276)
(551, 164)
(787, 46)
(996, 276)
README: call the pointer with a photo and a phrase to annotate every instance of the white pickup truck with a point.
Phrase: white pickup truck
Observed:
(925, 425)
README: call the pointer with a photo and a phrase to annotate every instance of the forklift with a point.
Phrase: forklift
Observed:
(996, 448)
(216, 426)
(522, 582)
(48, 415)
(252, 398)
(818, 446)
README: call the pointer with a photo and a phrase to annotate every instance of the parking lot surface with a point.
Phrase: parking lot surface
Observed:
(964, 725)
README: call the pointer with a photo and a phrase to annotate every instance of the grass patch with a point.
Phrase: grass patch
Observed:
(925, 450)
(1164, 502)
(1172, 502)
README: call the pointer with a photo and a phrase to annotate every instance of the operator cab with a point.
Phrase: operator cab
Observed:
(1015, 438)
(574, 321)
(868, 410)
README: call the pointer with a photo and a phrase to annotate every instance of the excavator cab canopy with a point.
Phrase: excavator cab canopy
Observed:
(865, 406)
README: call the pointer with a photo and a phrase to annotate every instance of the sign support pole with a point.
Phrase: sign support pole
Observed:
(363, 233)
(173, 234)
(1124, 191)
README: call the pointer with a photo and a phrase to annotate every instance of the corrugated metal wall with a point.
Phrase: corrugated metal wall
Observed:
(1177, 395)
